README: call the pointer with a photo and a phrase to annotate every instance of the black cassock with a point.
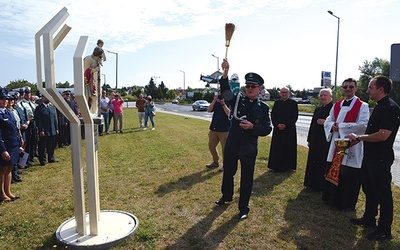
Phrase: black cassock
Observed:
(317, 151)
(283, 151)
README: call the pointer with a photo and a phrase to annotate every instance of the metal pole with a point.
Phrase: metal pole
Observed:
(337, 52)
(217, 61)
(116, 70)
(183, 81)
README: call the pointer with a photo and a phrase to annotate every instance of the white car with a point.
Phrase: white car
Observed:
(200, 105)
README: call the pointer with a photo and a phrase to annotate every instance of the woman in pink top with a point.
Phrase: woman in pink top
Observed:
(118, 112)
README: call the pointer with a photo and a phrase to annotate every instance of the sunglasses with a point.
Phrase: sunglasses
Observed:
(252, 86)
(345, 87)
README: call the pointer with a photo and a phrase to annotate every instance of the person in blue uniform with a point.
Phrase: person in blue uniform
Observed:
(10, 147)
(46, 122)
(250, 120)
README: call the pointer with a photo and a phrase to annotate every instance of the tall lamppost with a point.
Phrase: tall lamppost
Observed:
(183, 81)
(155, 79)
(104, 82)
(217, 61)
(116, 70)
(337, 50)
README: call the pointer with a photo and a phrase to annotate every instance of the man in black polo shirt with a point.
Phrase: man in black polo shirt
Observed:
(378, 159)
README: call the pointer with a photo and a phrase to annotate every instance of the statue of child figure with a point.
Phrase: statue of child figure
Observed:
(98, 51)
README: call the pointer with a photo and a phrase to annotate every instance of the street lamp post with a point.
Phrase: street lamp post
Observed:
(337, 51)
(183, 81)
(155, 79)
(116, 70)
(217, 61)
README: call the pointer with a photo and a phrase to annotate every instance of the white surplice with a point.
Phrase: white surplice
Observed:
(355, 154)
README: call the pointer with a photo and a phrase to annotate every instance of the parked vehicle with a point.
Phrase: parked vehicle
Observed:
(200, 105)
(175, 101)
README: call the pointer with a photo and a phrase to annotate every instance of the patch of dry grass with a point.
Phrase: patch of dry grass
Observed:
(160, 177)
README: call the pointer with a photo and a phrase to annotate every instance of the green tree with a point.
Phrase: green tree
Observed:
(368, 71)
(20, 83)
(63, 85)
(170, 94)
(162, 90)
(136, 91)
(274, 93)
(151, 89)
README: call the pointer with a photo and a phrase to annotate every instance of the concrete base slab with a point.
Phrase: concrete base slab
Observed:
(113, 227)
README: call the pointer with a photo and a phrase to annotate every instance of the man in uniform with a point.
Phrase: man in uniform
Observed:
(378, 158)
(31, 134)
(46, 121)
(250, 120)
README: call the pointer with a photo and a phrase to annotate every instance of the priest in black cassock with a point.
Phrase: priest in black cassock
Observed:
(283, 152)
(318, 147)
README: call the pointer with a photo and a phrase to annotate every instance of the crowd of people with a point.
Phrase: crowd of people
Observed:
(365, 164)
(30, 127)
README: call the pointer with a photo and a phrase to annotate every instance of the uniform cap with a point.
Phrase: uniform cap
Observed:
(253, 78)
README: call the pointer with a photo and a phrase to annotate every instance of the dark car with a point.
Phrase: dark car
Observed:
(200, 105)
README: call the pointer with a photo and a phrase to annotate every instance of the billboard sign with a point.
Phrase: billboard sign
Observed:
(326, 79)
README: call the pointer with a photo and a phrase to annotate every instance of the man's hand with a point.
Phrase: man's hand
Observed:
(281, 126)
(352, 138)
(335, 127)
(246, 124)
(225, 67)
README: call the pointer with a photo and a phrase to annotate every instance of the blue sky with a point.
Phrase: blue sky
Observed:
(285, 41)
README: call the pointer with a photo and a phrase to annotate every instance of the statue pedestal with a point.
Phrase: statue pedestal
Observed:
(114, 226)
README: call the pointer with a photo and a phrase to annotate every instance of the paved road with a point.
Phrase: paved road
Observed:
(302, 124)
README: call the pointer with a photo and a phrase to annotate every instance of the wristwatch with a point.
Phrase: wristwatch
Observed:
(357, 139)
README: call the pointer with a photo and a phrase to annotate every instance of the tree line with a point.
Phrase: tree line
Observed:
(368, 70)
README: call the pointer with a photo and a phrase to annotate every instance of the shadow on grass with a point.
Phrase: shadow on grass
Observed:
(197, 238)
(266, 182)
(311, 225)
(185, 182)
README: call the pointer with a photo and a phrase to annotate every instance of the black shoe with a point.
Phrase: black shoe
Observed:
(52, 161)
(222, 201)
(42, 163)
(243, 216)
(15, 198)
(363, 222)
(213, 165)
(379, 235)
(16, 179)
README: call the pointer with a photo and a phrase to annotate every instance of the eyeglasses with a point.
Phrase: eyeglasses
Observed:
(350, 86)
(284, 92)
(253, 86)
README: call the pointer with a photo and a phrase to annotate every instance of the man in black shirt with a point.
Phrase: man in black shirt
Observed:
(378, 159)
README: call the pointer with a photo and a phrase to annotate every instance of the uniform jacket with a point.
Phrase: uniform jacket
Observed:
(9, 135)
(245, 141)
(46, 119)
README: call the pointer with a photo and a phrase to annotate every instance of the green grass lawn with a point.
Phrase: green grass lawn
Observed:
(160, 177)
